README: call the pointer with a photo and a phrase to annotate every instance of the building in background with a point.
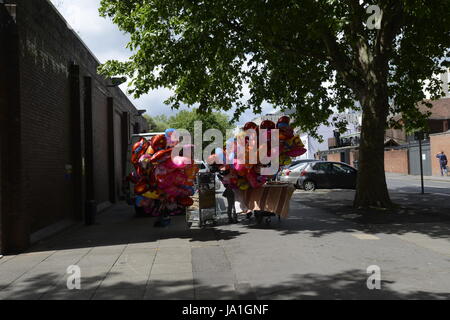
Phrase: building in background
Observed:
(402, 153)
(64, 129)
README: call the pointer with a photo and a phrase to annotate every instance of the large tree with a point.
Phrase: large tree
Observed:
(312, 56)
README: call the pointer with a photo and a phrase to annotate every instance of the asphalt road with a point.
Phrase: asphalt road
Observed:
(412, 184)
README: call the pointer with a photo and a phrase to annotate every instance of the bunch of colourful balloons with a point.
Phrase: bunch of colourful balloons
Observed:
(248, 175)
(160, 178)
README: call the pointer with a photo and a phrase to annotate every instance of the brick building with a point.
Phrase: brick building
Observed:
(64, 129)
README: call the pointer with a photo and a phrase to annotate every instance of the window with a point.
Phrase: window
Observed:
(322, 166)
(340, 168)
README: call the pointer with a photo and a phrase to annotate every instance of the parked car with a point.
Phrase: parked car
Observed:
(322, 175)
(292, 174)
(297, 162)
(286, 169)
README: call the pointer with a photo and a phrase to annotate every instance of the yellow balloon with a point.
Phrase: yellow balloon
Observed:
(244, 187)
(152, 195)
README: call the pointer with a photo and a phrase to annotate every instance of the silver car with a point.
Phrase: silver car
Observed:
(292, 174)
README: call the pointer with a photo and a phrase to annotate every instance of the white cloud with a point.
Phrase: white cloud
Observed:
(107, 42)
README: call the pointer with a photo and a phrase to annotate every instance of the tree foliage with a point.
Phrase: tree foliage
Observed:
(185, 119)
(314, 57)
(304, 55)
(158, 123)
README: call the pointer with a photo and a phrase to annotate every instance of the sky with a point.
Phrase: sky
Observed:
(107, 42)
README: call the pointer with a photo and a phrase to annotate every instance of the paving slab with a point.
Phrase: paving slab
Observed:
(135, 293)
(176, 267)
(13, 269)
(313, 254)
(22, 293)
(170, 286)
(137, 257)
(65, 294)
(126, 277)
(166, 255)
(3, 259)
(216, 292)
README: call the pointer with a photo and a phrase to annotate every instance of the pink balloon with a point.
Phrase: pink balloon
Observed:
(239, 167)
(180, 162)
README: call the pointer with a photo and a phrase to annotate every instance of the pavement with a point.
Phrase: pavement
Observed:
(417, 178)
(412, 184)
(314, 254)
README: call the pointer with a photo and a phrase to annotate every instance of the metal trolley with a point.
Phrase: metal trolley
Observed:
(209, 209)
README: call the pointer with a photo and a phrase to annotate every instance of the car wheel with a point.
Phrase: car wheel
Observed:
(309, 185)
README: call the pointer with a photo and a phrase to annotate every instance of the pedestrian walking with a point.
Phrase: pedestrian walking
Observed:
(443, 163)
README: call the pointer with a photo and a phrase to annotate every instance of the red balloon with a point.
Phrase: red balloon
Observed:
(139, 148)
(140, 172)
(141, 187)
(284, 119)
(186, 202)
(161, 156)
(267, 124)
(250, 125)
(159, 142)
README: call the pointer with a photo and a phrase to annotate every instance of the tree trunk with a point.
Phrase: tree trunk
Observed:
(371, 188)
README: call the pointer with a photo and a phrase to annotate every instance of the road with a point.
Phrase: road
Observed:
(412, 184)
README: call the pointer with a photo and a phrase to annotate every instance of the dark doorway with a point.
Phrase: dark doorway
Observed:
(345, 157)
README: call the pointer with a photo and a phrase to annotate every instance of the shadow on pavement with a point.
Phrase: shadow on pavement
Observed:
(426, 214)
(118, 225)
(350, 284)
(428, 191)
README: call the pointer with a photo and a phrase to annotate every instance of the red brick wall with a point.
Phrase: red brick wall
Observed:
(396, 161)
(336, 157)
(439, 142)
(47, 48)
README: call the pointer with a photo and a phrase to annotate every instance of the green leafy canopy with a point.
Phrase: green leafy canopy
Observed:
(315, 57)
(185, 119)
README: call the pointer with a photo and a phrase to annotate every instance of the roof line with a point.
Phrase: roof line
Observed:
(73, 31)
